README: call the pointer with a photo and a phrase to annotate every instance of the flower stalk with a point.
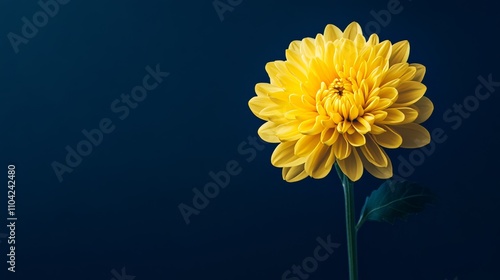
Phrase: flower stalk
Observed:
(348, 186)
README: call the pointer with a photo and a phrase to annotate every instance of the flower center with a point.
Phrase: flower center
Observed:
(338, 86)
(337, 100)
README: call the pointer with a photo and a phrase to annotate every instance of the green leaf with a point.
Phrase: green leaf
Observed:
(393, 200)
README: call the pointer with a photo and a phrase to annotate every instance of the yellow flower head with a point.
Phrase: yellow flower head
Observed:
(342, 98)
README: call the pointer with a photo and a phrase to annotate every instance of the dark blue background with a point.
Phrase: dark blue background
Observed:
(119, 207)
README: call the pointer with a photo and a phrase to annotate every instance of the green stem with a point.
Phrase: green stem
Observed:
(350, 224)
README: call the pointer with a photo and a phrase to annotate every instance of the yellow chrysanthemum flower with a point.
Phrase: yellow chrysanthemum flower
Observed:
(340, 98)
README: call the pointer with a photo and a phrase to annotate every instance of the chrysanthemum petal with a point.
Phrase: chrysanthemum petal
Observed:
(377, 171)
(408, 74)
(295, 67)
(383, 104)
(311, 126)
(375, 130)
(272, 113)
(352, 166)
(265, 89)
(359, 41)
(289, 82)
(372, 104)
(299, 102)
(307, 47)
(352, 30)
(319, 43)
(295, 45)
(392, 83)
(373, 39)
(328, 123)
(353, 113)
(411, 114)
(347, 56)
(320, 69)
(384, 49)
(344, 126)
(388, 93)
(332, 33)
(394, 72)
(410, 92)
(328, 59)
(299, 114)
(275, 94)
(306, 144)
(361, 73)
(361, 125)
(272, 72)
(329, 136)
(374, 153)
(320, 161)
(341, 148)
(356, 139)
(267, 132)
(420, 73)
(425, 107)
(389, 139)
(414, 135)
(288, 131)
(400, 52)
(394, 116)
(375, 67)
(283, 155)
(258, 103)
(294, 173)
(379, 115)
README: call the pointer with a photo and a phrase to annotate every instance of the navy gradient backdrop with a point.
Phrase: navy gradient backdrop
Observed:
(119, 207)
